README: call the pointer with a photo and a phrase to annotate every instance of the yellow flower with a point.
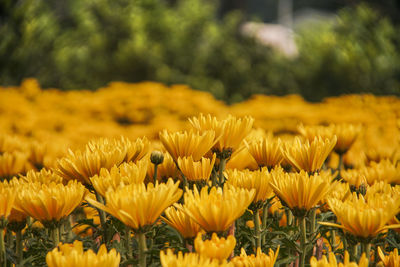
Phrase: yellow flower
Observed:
(300, 191)
(165, 170)
(267, 152)
(72, 255)
(7, 197)
(215, 211)
(308, 156)
(83, 165)
(354, 177)
(49, 203)
(137, 205)
(169, 259)
(185, 144)
(258, 180)
(179, 220)
(259, 260)
(196, 170)
(124, 174)
(346, 134)
(12, 164)
(135, 151)
(362, 218)
(391, 260)
(43, 177)
(331, 262)
(215, 248)
(230, 131)
(384, 170)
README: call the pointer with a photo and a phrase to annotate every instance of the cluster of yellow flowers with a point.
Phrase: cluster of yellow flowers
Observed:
(142, 154)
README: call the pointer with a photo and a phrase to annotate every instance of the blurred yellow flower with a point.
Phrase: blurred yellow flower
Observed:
(124, 174)
(215, 211)
(391, 260)
(7, 197)
(354, 177)
(308, 156)
(259, 260)
(44, 177)
(258, 180)
(169, 259)
(196, 170)
(267, 152)
(72, 255)
(215, 248)
(185, 144)
(362, 218)
(12, 164)
(230, 131)
(346, 134)
(331, 261)
(300, 191)
(165, 170)
(49, 203)
(179, 220)
(137, 205)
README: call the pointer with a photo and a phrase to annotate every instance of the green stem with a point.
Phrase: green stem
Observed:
(19, 247)
(366, 248)
(141, 238)
(55, 236)
(257, 229)
(354, 252)
(333, 240)
(102, 216)
(155, 173)
(222, 163)
(128, 242)
(303, 240)
(214, 178)
(2, 248)
(264, 222)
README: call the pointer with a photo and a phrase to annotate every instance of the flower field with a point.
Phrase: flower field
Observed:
(150, 175)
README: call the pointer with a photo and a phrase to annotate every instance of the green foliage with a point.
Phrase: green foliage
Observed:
(86, 44)
(357, 53)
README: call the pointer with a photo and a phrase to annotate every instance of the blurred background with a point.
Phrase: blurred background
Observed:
(231, 48)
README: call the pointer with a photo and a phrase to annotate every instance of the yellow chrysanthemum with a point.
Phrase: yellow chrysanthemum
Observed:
(7, 197)
(391, 260)
(43, 177)
(83, 165)
(72, 255)
(49, 202)
(215, 248)
(346, 134)
(267, 152)
(196, 170)
(384, 170)
(362, 218)
(300, 191)
(12, 164)
(137, 205)
(308, 156)
(354, 177)
(124, 174)
(230, 131)
(185, 144)
(258, 180)
(165, 170)
(169, 259)
(215, 211)
(331, 261)
(259, 260)
(179, 220)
